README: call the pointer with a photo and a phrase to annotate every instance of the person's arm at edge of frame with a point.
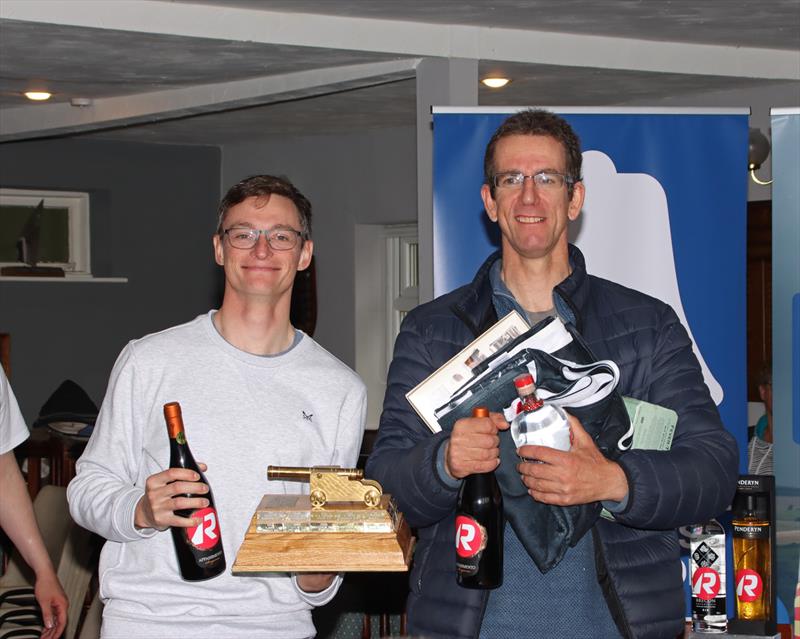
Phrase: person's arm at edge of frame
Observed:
(19, 523)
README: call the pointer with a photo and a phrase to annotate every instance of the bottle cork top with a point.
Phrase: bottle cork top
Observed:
(172, 410)
(172, 414)
(524, 384)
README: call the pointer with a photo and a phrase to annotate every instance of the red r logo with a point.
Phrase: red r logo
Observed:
(748, 585)
(469, 536)
(206, 534)
(705, 583)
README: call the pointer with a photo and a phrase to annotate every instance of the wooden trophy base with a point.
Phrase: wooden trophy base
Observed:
(316, 546)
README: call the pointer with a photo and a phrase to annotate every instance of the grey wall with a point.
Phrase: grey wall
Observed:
(152, 210)
(368, 177)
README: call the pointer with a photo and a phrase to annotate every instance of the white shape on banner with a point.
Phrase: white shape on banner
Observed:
(623, 244)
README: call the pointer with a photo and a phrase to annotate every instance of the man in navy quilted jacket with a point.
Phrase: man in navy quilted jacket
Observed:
(623, 577)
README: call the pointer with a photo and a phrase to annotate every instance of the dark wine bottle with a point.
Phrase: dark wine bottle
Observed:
(479, 529)
(199, 548)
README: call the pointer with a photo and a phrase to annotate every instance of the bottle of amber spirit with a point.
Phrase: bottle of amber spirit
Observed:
(752, 559)
(199, 548)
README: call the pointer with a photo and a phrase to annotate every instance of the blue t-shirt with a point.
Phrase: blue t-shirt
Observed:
(565, 602)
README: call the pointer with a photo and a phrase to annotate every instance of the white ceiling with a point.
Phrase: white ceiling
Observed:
(219, 71)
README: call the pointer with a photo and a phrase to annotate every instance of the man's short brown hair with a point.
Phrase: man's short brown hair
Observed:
(264, 186)
(537, 122)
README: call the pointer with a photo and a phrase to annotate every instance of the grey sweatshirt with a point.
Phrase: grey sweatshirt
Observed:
(242, 412)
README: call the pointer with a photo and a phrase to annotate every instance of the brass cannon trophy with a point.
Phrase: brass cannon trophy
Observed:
(345, 524)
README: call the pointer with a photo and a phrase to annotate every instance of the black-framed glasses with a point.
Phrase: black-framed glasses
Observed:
(279, 238)
(548, 180)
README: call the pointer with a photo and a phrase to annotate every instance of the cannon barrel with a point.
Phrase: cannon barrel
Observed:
(303, 473)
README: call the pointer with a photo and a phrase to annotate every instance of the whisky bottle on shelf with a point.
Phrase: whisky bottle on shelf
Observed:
(752, 557)
(707, 563)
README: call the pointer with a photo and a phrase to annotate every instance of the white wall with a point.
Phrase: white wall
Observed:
(367, 177)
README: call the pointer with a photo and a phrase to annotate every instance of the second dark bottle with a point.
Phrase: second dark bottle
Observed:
(479, 529)
(199, 548)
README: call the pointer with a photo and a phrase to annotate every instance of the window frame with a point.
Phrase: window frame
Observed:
(386, 287)
(78, 234)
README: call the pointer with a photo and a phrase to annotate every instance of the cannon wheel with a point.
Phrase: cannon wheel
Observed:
(372, 498)
(318, 498)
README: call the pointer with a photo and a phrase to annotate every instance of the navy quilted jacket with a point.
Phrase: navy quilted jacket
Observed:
(637, 557)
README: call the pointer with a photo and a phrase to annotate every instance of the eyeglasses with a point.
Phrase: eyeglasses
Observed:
(279, 239)
(548, 180)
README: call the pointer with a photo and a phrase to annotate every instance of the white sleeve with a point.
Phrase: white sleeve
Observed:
(322, 597)
(13, 430)
(103, 495)
(352, 421)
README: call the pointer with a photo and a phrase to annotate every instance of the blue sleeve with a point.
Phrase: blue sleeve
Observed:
(694, 480)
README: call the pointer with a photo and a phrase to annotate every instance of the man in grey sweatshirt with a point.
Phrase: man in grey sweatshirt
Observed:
(254, 391)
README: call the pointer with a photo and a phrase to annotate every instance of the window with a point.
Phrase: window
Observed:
(387, 275)
(402, 278)
(53, 234)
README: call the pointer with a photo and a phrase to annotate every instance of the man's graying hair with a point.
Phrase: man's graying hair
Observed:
(264, 186)
(536, 122)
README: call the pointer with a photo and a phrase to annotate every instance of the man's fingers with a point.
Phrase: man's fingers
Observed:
(183, 522)
(170, 475)
(181, 474)
(542, 484)
(478, 449)
(186, 488)
(473, 467)
(476, 440)
(499, 421)
(544, 454)
(474, 445)
(475, 425)
(188, 503)
(578, 433)
(478, 456)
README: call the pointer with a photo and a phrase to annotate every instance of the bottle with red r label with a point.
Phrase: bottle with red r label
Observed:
(199, 548)
(479, 529)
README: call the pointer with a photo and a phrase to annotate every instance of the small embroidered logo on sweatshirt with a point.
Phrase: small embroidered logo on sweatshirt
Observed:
(307, 416)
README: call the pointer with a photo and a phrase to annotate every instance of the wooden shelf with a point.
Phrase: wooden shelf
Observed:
(65, 280)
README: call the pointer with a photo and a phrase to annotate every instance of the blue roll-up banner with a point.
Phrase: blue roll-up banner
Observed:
(665, 213)
(786, 345)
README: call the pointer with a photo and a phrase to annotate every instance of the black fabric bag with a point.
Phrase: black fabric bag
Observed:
(545, 531)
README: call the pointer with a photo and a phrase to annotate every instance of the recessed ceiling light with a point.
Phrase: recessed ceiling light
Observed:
(38, 95)
(495, 83)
